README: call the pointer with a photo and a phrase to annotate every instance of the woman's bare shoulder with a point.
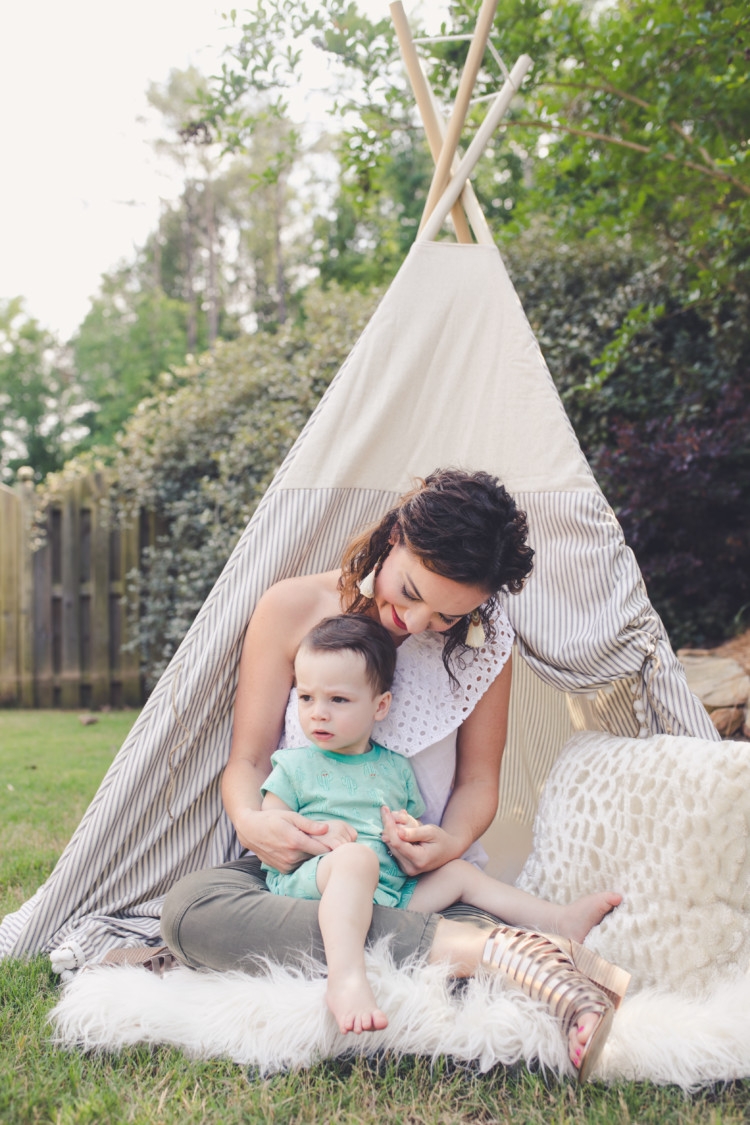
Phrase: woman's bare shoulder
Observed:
(296, 604)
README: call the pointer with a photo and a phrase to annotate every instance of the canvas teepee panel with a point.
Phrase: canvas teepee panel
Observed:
(447, 373)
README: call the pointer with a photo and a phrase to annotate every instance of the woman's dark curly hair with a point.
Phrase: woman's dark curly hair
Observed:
(460, 525)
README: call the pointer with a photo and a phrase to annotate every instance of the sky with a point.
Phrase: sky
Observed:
(80, 186)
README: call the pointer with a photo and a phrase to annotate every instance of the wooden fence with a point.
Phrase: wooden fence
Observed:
(64, 611)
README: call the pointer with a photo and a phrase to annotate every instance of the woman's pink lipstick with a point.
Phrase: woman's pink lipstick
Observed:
(397, 620)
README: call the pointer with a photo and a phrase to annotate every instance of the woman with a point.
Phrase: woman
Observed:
(430, 572)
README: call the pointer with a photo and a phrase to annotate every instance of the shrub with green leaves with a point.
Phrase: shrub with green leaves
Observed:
(618, 334)
(682, 492)
(657, 390)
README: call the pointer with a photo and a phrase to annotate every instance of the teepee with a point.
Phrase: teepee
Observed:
(447, 373)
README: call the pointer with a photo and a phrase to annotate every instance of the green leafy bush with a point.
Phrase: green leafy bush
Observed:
(621, 335)
(656, 387)
(682, 493)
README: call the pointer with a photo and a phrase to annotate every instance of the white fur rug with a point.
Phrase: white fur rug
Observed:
(280, 1021)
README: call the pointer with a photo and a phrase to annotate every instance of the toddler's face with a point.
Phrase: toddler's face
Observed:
(337, 704)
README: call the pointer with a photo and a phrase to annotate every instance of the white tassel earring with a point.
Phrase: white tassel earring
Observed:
(367, 585)
(475, 637)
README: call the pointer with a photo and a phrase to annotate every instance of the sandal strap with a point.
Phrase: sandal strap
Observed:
(157, 960)
(161, 962)
(543, 971)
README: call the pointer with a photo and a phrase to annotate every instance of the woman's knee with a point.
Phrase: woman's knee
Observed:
(206, 916)
(188, 894)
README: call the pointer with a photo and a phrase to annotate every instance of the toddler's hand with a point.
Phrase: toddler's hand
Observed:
(405, 820)
(416, 847)
(339, 832)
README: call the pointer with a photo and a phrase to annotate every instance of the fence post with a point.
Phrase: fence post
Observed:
(67, 593)
(9, 542)
(26, 587)
(131, 547)
(101, 647)
(47, 639)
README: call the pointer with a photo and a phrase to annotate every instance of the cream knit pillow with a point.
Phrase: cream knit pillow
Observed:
(665, 821)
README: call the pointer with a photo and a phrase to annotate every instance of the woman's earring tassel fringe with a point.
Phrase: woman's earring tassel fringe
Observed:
(367, 585)
(475, 637)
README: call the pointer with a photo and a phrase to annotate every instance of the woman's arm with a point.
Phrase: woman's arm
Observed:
(280, 837)
(473, 801)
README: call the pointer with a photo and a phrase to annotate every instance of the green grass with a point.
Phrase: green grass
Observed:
(50, 767)
(53, 765)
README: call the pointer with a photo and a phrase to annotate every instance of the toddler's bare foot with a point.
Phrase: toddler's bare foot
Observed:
(353, 1005)
(576, 920)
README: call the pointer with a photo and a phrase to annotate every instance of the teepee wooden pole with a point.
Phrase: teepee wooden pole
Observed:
(426, 107)
(435, 129)
(469, 201)
(476, 148)
(458, 116)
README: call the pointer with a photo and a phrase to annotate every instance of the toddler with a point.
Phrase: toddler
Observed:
(344, 670)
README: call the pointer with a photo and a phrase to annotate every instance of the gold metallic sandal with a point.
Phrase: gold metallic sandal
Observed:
(571, 980)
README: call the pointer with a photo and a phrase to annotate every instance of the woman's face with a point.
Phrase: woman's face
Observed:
(410, 598)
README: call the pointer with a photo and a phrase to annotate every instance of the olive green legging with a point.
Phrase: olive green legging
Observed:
(226, 918)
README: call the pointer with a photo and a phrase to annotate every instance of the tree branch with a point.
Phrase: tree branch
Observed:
(605, 88)
(705, 169)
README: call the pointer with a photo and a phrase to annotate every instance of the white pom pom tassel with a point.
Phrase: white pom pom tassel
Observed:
(475, 637)
(367, 585)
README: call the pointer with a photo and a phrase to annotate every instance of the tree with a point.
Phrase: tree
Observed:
(221, 255)
(270, 220)
(385, 168)
(634, 119)
(235, 175)
(190, 144)
(133, 334)
(40, 403)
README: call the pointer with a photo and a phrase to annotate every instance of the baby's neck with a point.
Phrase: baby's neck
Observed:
(355, 750)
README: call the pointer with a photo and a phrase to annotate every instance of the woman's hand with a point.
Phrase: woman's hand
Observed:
(417, 847)
(281, 838)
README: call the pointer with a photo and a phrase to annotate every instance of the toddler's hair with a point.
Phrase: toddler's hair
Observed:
(357, 633)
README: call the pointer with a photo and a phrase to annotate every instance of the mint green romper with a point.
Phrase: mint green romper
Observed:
(323, 785)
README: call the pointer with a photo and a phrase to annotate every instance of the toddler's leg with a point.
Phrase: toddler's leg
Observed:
(459, 881)
(347, 878)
